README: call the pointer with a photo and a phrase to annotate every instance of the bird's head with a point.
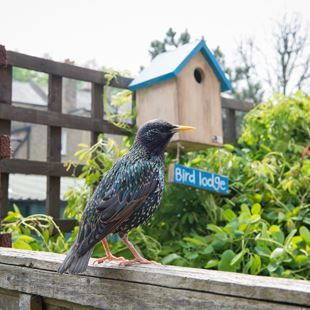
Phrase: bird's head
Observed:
(155, 135)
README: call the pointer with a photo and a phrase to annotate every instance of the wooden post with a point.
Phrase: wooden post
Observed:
(30, 302)
(96, 107)
(231, 126)
(5, 125)
(54, 146)
(5, 240)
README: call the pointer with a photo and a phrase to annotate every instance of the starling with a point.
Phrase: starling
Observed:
(126, 197)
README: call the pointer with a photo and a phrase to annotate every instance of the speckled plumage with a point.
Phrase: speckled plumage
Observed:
(127, 196)
(137, 176)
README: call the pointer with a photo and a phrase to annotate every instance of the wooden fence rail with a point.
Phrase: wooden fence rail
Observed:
(55, 120)
(28, 280)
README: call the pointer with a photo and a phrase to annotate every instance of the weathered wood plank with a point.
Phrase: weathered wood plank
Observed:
(148, 287)
(24, 166)
(51, 118)
(238, 105)
(107, 293)
(63, 69)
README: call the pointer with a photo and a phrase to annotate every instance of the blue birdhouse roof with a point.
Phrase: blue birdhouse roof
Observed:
(168, 65)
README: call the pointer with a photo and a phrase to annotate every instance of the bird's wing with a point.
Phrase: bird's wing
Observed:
(130, 189)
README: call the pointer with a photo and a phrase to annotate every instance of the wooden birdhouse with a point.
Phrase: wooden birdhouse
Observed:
(183, 87)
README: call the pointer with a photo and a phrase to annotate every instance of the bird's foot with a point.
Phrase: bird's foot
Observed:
(138, 261)
(110, 258)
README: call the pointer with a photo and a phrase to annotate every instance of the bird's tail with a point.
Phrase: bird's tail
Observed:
(73, 262)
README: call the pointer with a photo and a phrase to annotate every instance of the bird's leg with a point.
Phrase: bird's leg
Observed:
(138, 258)
(110, 256)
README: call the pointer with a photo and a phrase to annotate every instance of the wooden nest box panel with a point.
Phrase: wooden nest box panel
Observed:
(183, 87)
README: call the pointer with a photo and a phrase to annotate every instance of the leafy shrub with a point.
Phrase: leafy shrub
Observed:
(36, 232)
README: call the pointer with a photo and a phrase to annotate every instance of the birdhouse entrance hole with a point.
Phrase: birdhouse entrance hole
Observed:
(198, 75)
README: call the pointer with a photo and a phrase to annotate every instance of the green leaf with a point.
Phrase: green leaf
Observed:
(274, 228)
(20, 244)
(211, 263)
(170, 258)
(218, 245)
(262, 251)
(256, 264)
(245, 209)
(191, 256)
(278, 236)
(12, 217)
(229, 147)
(272, 267)
(194, 241)
(255, 218)
(26, 238)
(237, 258)
(216, 229)
(208, 250)
(276, 253)
(290, 237)
(302, 260)
(225, 262)
(229, 215)
(305, 234)
(256, 208)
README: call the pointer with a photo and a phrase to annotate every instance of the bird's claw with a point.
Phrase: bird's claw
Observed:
(109, 258)
(137, 261)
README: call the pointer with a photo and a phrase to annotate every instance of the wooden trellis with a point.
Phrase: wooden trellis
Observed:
(55, 120)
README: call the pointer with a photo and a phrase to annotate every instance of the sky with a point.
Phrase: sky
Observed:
(117, 34)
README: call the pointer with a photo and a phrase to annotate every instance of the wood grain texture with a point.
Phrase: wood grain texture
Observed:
(158, 101)
(199, 103)
(147, 287)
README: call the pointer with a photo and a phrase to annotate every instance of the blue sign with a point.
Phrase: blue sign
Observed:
(198, 178)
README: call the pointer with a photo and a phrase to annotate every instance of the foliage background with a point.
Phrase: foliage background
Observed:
(261, 227)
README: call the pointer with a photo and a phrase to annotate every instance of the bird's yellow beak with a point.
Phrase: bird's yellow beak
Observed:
(184, 128)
